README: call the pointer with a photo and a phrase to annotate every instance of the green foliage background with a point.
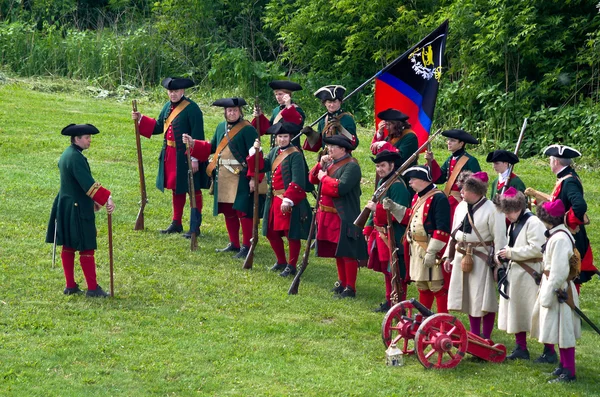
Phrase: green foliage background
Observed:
(506, 59)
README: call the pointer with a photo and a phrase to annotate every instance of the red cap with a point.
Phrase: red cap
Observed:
(510, 192)
(481, 175)
(554, 208)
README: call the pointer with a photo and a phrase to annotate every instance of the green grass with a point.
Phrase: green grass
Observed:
(186, 323)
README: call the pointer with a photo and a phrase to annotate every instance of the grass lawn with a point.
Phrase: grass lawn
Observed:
(194, 323)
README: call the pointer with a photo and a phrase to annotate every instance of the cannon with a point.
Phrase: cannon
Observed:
(439, 341)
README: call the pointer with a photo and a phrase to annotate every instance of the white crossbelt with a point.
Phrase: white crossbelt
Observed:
(228, 163)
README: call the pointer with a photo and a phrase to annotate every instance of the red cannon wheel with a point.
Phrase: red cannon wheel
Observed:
(400, 325)
(441, 341)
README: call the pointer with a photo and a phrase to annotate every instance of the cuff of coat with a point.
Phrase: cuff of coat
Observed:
(572, 220)
(146, 126)
(264, 124)
(291, 115)
(441, 235)
(313, 175)
(201, 150)
(436, 171)
(251, 161)
(99, 194)
(380, 215)
(295, 193)
(330, 186)
(367, 230)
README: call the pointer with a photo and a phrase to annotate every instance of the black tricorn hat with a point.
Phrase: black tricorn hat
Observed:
(392, 115)
(419, 172)
(561, 151)
(230, 102)
(461, 136)
(330, 93)
(177, 83)
(79, 130)
(503, 156)
(284, 127)
(339, 140)
(285, 85)
(387, 155)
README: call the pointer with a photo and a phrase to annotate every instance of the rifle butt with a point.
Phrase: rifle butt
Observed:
(249, 261)
(294, 286)
(139, 221)
(362, 219)
(194, 242)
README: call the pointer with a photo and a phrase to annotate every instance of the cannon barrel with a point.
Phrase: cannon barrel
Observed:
(422, 309)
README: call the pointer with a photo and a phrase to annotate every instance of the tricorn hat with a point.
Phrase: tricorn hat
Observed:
(392, 115)
(339, 140)
(461, 136)
(387, 155)
(330, 93)
(419, 172)
(79, 130)
(284, 127)
(285, 85)
(177, 83)
(230, 102)
(502, 156)
(561, 151)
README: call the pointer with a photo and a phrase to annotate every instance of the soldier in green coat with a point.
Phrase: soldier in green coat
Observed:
(287, 211)
(287, 110)
(72, 220)
(232, 187)
(335, 122)
(179, 116)
(339, 205)
(376, 232)
(502, 160)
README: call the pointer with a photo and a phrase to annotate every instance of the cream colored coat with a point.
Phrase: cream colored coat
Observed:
(514, 314)
(474, 293)
(554, 322)
(418, 270)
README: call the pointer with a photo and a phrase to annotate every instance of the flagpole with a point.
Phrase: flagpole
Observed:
(370, 79)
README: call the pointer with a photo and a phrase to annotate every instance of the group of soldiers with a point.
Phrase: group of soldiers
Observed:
(458, 247)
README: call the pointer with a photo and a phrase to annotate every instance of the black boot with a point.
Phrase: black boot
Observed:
(96, 293)
(564, 377)
(228, 248)
(243, 252)
(188, 234)
(337, 288)
(547, 357)
(174, 227)
(518, 354)
(383, 307)
(72, 291)
(289, 270)
(277, 267)
(347, 293)
(195, 223)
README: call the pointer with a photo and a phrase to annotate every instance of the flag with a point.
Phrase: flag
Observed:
(410, 83)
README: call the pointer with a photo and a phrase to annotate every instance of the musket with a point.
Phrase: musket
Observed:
(311, 235)
(194, 215)
(110, 255)
(54, 245)
(540, 197)
(510, 167)
(397, 290)
(383, 188)
(249, 261)
(564, 297)
(139, 221)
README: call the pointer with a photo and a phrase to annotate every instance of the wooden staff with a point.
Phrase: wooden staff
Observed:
(397, 290)
(139, 221)
(249, 261)
(110, 255)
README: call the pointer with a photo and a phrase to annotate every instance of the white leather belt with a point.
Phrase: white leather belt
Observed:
(228, 163)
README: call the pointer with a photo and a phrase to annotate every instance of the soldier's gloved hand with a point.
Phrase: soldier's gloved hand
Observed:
(396, 209)
(430, 260)
(308, 131)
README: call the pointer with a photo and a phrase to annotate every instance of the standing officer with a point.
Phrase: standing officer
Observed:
(232, 187)
(287, 211)
(179, 116)
(394, 130)
(287, 110)
(339, 205)
(336, 122)
(72, 219)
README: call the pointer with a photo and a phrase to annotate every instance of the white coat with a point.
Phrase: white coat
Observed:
(474, 293)
(514, 314)
(554, 322)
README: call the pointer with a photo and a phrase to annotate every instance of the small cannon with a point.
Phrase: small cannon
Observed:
(439, 340)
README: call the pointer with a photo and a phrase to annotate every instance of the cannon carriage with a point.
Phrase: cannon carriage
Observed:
(438, 340)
